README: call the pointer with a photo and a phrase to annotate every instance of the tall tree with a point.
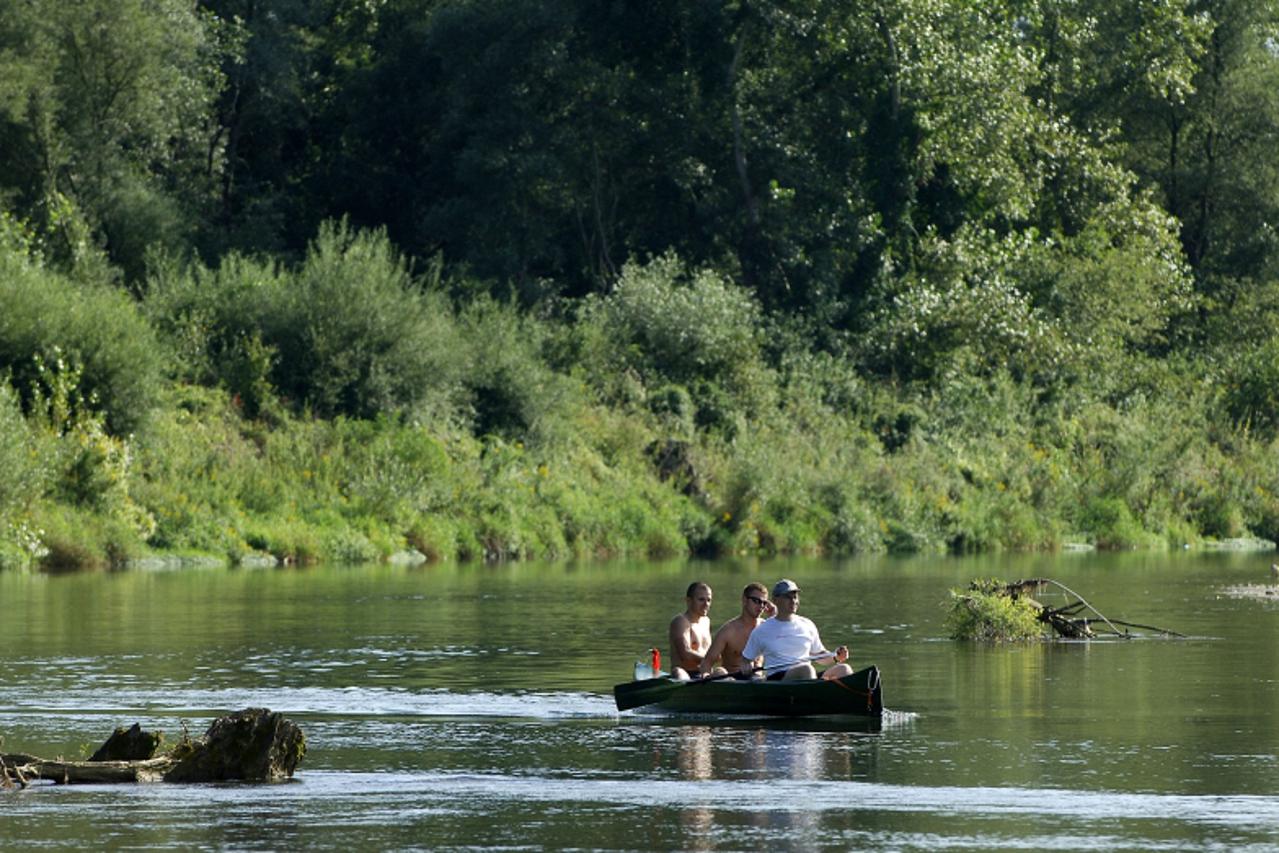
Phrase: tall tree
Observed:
(109, 104)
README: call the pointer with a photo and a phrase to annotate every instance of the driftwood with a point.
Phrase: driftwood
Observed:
(1076, 619)
(254, 745)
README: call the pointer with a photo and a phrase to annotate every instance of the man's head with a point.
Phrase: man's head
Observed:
(786, 597)
(698, 598)
(754, 599)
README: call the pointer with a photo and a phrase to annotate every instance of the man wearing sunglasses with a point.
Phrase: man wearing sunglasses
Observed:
(789, 642)
(731, 637)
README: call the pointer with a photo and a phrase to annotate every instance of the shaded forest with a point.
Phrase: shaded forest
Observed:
(501, 279)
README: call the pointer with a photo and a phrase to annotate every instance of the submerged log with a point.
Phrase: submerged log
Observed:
(255, 745)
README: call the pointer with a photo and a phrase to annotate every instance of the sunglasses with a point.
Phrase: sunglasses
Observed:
(761, 602)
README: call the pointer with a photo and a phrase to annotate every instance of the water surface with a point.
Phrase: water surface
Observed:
(468, 707)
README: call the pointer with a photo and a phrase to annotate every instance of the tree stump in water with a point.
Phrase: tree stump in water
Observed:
(253, 745)
(132, 744)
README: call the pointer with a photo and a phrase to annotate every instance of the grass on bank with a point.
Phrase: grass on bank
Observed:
(345, 409)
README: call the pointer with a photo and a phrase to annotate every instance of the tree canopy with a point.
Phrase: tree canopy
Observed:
(935, 185)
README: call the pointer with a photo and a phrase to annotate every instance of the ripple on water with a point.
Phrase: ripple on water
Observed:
(315, 701)
(401, 792)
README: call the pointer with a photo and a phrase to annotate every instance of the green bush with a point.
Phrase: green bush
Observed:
(664, 325)
(682, 326)
(78, 538)
(384, 469)
(1110, 524)
(23, 472)
(347, 333)
(94, 326)
(435, 536)
(961, 310)
(207, 315)
(985, 612)
(354, 334)
(289, 540)
(1252, 389)
(508, 389)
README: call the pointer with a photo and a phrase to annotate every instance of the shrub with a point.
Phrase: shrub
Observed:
(347, 333)
(289, 540)
(22, 470)
(77, 538)
(985, 611)
(206, 315)
(508, 389)
(95, 326)
(663, 324)
(1110, 523)
(354, 334)
(435, 536)
(383, 468)
(962, 310)
(682, 326)
(1252, 389)
(673, 406)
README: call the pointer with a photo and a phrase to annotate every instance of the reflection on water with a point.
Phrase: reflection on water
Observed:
(695, 763)
(448, 707)
(748, 753)
(694, 759)
(340, 809)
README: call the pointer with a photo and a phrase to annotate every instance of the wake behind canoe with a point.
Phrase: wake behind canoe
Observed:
(858, 694)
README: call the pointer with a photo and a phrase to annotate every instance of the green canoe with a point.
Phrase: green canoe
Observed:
(856, 695)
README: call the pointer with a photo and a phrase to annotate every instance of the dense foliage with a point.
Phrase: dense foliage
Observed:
(506, 278)
(985, 611)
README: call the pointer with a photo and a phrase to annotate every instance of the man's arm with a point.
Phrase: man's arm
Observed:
(816, 647)
(716, 651)
(752, 652)
(682, 654)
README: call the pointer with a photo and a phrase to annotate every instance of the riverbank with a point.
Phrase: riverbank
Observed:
(346, 410)
(204, 483)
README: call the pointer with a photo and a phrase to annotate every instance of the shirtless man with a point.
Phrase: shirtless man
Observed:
(690, 631)
(731, 637)
(789, 642)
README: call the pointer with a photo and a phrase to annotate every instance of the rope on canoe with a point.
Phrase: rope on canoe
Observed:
(869, 693)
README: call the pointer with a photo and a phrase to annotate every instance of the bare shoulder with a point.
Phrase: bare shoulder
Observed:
(734, 628)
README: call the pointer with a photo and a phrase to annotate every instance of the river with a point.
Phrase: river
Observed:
(469, 707)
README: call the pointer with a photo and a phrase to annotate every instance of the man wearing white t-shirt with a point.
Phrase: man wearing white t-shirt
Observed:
(788, 642)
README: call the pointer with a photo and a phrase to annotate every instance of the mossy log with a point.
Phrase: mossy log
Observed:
(255, 745)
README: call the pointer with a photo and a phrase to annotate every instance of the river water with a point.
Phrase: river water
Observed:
(469, 707)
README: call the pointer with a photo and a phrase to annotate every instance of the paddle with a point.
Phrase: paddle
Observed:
(633, 694)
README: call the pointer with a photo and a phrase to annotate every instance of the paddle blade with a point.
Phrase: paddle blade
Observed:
(636, 694)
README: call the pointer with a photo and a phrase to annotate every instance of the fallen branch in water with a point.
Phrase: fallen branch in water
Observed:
(993, 610)
(255, 745)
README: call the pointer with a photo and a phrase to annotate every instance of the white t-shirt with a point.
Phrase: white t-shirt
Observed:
(783, 642)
